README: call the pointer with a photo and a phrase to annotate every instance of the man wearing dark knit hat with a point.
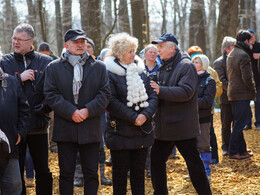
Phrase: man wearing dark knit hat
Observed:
(176, 118)
(77, 89)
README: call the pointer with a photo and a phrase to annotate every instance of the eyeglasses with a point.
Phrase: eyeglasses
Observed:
(19, 40)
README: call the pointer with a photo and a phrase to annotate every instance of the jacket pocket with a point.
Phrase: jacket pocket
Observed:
(40, 122)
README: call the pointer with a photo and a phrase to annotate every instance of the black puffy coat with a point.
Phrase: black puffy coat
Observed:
(206, 95)
(13, 64)
(14, 113)
(121, 133)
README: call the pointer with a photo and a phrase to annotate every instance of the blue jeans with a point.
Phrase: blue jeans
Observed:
(257, 107)
(241, 110)
(29, 165)
(11, 183)
(257, 110)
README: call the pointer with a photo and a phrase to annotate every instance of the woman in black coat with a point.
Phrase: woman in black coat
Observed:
(206, 95)
(131, 108)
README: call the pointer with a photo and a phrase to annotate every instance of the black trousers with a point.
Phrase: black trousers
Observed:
(213, 140)
(226, 121)
(89, 154)
(188, 149)
(122, 162)
(38, 148)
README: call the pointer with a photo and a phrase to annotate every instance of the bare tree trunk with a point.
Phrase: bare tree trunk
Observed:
(94, 23)
(175, 9)
(83, 14)
(113, 26)
(123, 22)
(253, 18)
(164, 12)
(227, 23)
(42, 20)
(197, 24)
(7, 47)
(108, 14)
(212, 26)
(147, 22)
(137, 22)
(66, 15)
(32, 13)
(58, 31)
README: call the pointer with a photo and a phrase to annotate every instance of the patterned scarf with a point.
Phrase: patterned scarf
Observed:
(77, 61)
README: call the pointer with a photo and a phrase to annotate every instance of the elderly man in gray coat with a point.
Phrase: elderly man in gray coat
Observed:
(176, 118)
(77, 89)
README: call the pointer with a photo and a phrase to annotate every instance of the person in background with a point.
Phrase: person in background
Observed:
(130, 111)
(14, 117)
(77, 89)
(241, 89)
(193, 51)
(90, 47)
(206, 94)
(28, 66)
(254, 55)
(176, 118)
(225, 106)
(44, 48)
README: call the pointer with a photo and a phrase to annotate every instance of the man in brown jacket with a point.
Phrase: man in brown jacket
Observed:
(241, 89)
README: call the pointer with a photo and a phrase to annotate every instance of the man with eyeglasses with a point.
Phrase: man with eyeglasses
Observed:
(28, 66)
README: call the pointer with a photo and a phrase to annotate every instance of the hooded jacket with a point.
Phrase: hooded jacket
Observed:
(121, 133)
(94, 95)
(13, 64)
(241, 85)
(176, 117)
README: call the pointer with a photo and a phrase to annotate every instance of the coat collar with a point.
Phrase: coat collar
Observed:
(112, 66)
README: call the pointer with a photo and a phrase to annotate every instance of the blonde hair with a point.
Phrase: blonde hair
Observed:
(119, 43)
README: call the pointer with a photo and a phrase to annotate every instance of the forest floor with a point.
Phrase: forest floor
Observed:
(228, 177)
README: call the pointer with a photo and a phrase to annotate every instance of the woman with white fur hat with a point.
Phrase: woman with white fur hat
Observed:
(206, 95)
(131, 108)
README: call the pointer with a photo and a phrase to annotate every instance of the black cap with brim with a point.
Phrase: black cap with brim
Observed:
(74, 34)
(166, 37)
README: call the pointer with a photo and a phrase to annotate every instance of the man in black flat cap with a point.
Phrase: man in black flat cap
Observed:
(176, 119)
(77, 89)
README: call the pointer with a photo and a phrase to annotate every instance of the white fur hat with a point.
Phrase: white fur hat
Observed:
(204, 59)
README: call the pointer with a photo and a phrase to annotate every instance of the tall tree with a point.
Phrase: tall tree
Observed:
(66, 15)
(32, 15)
(94, 23)
(212, 26)
(227, 23)
(58, 30)
(42, 20)
(113, 26)
(197, 24)
(83, 14)
(137, 8)
(123, 17)
(146, 20)
(164, 12)
(7, 46)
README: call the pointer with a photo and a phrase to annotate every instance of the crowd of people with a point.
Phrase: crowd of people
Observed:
(142, 108)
